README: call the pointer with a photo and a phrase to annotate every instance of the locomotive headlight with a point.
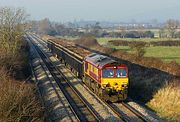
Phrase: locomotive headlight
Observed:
(106, 85)
(124, 85)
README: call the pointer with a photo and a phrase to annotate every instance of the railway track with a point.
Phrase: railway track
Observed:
(82, 110)
(128, 113)
(123, 110)
(134, 111)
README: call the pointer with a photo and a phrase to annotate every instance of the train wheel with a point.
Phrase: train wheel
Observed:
(61, 60)
(85, 79)
(96, 88)
(100, 93)
(71, 69)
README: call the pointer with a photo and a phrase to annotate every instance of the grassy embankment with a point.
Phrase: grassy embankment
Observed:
(166, 102)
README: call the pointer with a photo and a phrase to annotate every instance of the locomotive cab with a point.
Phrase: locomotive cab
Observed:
(110, 76)
(114, 80)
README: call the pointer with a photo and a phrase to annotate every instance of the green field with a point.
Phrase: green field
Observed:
(166, 53)
(104, 41)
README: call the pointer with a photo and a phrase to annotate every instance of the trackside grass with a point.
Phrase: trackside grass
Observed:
(167, 102)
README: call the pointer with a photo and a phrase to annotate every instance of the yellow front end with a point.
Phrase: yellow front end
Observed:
(114, 84)
(115, 89)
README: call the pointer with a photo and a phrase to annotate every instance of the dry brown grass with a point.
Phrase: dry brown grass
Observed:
(18, 102)
(167, 102)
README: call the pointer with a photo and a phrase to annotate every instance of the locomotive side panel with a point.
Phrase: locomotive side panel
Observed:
(92, 71)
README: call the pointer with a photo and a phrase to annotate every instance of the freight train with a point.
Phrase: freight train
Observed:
(105, 76)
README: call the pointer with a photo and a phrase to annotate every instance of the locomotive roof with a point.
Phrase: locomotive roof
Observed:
(99, 60)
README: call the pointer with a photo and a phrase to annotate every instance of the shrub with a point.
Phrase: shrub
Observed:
(138, 48)
(17, 101)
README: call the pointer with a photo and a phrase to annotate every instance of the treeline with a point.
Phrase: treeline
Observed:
(153, 43)
(47, 27)
(131, 34)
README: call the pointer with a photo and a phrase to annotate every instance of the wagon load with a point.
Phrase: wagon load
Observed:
(70, 45)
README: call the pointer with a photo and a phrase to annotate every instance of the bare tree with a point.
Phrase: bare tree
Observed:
(162, 33)
(171, 26)
(12, 26)
(138, 48)
(44, 26)
(123, 31)
(140, 29)
(96, 29)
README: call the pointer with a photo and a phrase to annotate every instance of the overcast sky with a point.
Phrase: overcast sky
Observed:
(100, 10)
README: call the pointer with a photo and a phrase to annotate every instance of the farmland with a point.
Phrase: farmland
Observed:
(165, 53)
(105, 40)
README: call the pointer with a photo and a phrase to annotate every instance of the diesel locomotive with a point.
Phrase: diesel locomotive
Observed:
(105, 76)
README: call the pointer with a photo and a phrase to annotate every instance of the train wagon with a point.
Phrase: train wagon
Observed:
(105, 76)
(71, 60)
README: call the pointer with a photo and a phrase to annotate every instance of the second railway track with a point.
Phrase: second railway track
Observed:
(128, 113)
(79, 105)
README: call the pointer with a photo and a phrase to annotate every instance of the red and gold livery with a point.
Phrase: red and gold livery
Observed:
(106, 76)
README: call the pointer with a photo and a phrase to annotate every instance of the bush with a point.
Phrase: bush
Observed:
(17, 101)
(138, 48)
(87, 40)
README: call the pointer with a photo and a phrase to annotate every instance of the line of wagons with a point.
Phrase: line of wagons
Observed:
(106, 77)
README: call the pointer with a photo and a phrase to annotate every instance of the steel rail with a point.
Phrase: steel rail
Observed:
(137, 113)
